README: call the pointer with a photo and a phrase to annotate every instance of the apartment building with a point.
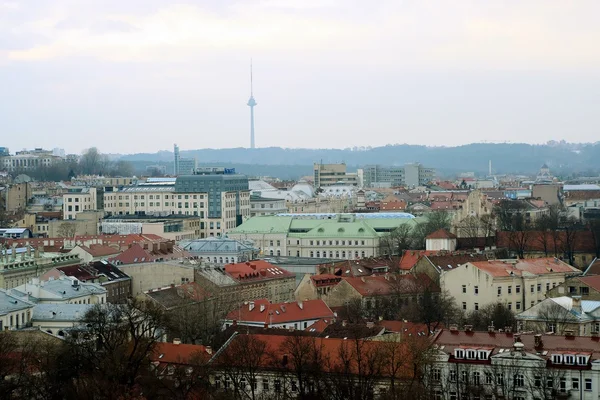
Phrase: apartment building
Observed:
(17, 196)
(266, 206)
(218, 196)
(79, 199)
(410, 175)
(331, 174)
(29, 159)
(347, 236)
(173, 227)
(519, 284)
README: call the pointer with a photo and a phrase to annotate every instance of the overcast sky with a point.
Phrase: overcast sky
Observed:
(140, 75)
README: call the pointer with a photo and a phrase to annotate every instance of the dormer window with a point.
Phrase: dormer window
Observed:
(556, 359)
(483, 355)
(582, 360)
(471, 354)
(458, 353)
(569, 359)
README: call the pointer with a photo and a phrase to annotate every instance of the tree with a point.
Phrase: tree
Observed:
(67, 230)
(433, 309)
(434, 221)
(397, 241)
(519, 241)
(554, 317)
(122, 168)
(495, 314)
(594, 227)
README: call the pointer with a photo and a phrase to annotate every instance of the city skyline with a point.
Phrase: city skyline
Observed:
(332, 74)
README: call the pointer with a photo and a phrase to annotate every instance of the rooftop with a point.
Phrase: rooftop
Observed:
(256, 270)
(265, 313)
(383, 285)
(524, 267)
(441, 234)
(60, 312)
(9, 302)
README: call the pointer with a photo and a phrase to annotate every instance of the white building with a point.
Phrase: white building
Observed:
(66, 290)
(79, 199)
(57, 319)
(15, 312)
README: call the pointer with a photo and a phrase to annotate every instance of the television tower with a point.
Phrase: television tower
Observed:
(251, 104)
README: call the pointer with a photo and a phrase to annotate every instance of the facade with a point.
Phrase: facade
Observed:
(417, 175)
(79, 199)
(346, 236)
(220, 251)
(19, 265)
(375, 176)
(94, 252)
(187, 166)
(562, 315)
(219, 196)
(440, 240)
(331, 174)
(15, 312)
(153, 275)
(29, 159)
(57, 319)
(588, 287)
(516, 366)
(17, 196)
(519, 284)
(266, 206)
(172, 227)
(260, 279)
(86, 223)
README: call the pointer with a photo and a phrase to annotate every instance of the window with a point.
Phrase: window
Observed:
(547, 286)
(585, 291)
(519, 380)
(476, 378)
(518, 305)
(588, 384)
(532, 288)
(569, 359)
(510, 306)
(277, 386)
(509, 289)
(549, 383)
(582, 360)
(452, 376)
(265, 385)
(499, 290)
(464, 288)
(539, 287)
(464, 305)
(518, 289)
(537, 381)
(476, 306)
(488, 378)
(476, 289)
(500, 380)
(453, 396)
(436, 374)
(471, 354)
(483, 355)
(563, 384)
(464, 376)
(575, 383)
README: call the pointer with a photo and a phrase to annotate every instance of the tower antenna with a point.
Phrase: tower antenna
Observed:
(251, 104)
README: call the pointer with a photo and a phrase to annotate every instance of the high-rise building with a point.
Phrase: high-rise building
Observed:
(187, 165)
(251, 103)
(175, 160)
(332, 174)
(411, 175)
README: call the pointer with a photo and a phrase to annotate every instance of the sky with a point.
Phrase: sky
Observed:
(139, 75)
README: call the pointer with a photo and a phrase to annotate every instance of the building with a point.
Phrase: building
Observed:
(58, 318)
(263, 313)
(331, 174)
(440, 240)
(172, 227)
(187, 165)
(15, 233)
(518, 284)
(19, 265)
(175, 160)
(260, 279)
(376, 176)
(266, 206)
(17, 197)
(220, 251)
(416, 175)
(154, 275)
(588, 287)
(65, 289)
(29, 160)
(15, 312)
(151, 252)
(86, 223)
(346, 236)
(219, 196)
(562, 315)
(518, 366)
(95, 252)
(79, 199)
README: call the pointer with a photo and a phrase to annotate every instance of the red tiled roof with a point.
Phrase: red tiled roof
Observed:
(325, 280)
(536, 266)
(138, 254)
(453, 260)
(80, 272)
(441, 234)
(384, 285)
(256, 269)
(592, 281)
(408, 328)
(411, 257)
(264, 312)
(183, 354)
(320, 325)
(593, 268)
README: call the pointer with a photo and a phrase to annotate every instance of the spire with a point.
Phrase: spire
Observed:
(251, 104)
(250, 77)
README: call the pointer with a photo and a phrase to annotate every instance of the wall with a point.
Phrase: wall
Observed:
(156, 275)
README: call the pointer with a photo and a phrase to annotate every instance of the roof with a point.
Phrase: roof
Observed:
(265, 313)
(9, 302)
(593, 268)
(62, 288)
(216, 245)
(150, 251)
(496, 342)
(60, 312)
(175, 296)
(524, 267)
(256, 270)
(172, 353)
(99, 250)
(411, 257)
(108, 271)
(441, 234)
(404, 327)
(592, 281)
(449, 261)
(80, 272)
(383, 285)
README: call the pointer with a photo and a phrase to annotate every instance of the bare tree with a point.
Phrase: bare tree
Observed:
(554, 317)
(67, 230)
(397, 241)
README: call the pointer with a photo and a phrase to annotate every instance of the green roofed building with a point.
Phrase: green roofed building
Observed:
(345, 236)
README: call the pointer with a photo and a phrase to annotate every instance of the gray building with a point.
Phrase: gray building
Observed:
(220, 251)
(186, 166)
(410, 175)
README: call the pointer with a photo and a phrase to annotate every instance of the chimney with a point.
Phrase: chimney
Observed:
(28, 249)
(491, 328)
(251, 306)
(262, 307)
(453, 328)
(538, 343)
(468, 328)
(517, 337)
(576, 304)
(569, 333)
(36, 253)
(176, 341)
(208, 350)
(370, 324)
(508, 329)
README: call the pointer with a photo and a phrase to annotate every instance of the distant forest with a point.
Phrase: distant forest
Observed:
(563, 159)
